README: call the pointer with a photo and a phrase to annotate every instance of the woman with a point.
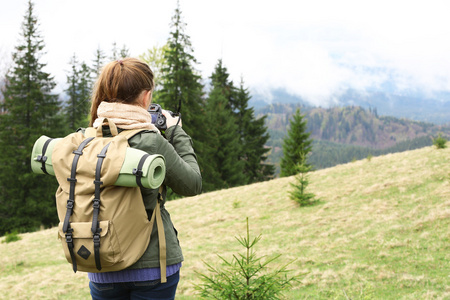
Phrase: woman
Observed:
(122, 94)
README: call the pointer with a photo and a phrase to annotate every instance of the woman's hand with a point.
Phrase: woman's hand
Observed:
(170, 121)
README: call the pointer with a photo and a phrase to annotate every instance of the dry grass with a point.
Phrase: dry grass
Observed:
(35, 268)
(380, 230)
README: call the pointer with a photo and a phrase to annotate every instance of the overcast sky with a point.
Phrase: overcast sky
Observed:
(315, 49)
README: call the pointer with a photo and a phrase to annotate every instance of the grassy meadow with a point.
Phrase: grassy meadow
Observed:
(381, 230)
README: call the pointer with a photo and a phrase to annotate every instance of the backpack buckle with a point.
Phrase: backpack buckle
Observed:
(69, 239)
(98, 182)
(70, 204)
(96, 203)
(96, 239)
(138, 172)
(41, 158)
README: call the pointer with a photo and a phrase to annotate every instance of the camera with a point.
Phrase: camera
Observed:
(158, 119)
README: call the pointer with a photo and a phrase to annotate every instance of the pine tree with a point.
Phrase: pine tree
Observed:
(114, 52)
(440, 142)
(85, 86)
(220, 79)
(124, 52)
(245, 276)
(98, 62)
(254, 137)
(222, 123)
(252, 132)
(298, 193)
(79, 88)
(4, 66)
(117, 53)
(226, 141)
(182, 89)
(181, 83)
(31, 110)
(295, 144)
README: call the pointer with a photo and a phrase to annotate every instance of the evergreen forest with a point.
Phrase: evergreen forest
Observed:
(228, 138)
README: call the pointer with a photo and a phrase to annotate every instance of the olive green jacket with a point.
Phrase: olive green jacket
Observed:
(182, 176)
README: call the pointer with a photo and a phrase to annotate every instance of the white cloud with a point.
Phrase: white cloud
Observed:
(315, 49)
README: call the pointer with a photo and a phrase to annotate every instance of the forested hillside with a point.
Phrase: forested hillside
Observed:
(342, 134)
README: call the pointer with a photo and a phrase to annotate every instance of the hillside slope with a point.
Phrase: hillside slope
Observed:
(380, 231)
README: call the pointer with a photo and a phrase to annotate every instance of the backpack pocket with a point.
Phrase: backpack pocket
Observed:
(83, 245)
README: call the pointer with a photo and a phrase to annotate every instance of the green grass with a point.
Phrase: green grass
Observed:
(380, 231)
(11, 237)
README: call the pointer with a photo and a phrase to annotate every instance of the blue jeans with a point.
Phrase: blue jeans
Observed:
(152, 289)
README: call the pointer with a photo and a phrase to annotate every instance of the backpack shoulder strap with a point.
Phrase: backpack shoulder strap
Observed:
(161, 238)
(130, 133)
(161, 235)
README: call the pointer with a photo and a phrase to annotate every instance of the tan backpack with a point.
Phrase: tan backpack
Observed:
(102, 227)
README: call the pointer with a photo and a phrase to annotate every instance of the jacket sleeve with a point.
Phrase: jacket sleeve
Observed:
(182, 170)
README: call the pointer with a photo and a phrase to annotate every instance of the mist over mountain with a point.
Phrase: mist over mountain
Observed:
(412, 105)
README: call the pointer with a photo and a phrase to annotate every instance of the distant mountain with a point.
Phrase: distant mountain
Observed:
(350, 125)
(408, 105)
(434, 109)
(342, 134)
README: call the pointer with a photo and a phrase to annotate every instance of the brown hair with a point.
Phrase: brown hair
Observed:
(121, 81)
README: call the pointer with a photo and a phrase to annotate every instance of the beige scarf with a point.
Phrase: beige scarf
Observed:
(125, 116)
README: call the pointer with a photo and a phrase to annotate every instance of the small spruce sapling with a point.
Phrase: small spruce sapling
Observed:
(299, 193)
(11, 237)
(440, 142)
(245, 276)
